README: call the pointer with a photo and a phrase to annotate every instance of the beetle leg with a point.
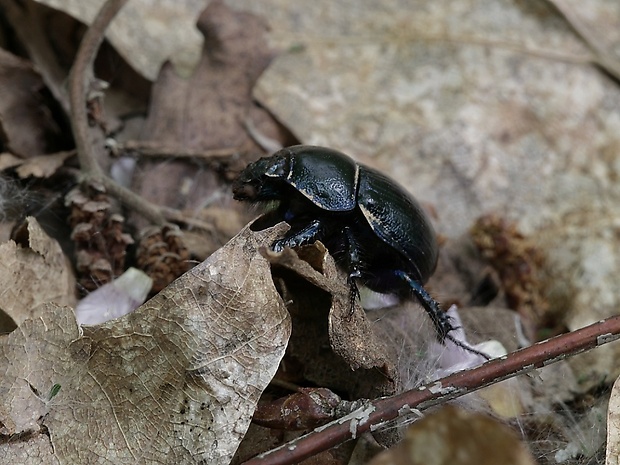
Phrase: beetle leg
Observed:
(307, 235)
(440, 319)
(355, 265)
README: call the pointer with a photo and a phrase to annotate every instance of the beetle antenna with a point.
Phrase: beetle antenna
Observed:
(440, 319)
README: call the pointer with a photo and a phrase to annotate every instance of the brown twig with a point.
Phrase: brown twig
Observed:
(155, 149)
(374, 414)
(80, 78)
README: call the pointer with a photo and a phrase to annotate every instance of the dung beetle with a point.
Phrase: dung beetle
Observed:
(370, 224)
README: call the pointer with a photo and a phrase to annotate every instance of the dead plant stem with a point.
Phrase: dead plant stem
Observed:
(80, 80)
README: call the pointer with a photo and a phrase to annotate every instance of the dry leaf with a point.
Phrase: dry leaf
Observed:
(43, 166)
(26, 125)
(33, 272)
(453, 436)
(147, 32)
(206, 110)
(176, 381)
(359, 363)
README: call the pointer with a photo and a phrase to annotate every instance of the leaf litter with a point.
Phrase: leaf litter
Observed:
(208, 119)
(175, 381)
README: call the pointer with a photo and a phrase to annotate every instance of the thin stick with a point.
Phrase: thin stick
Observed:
(376, 413)
(156, 150)
(79, 79)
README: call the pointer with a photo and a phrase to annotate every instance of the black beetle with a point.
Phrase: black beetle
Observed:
(369, 223)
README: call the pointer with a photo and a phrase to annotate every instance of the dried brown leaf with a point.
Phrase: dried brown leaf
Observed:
(359, 363)
(33, 272)
(174, 382)
(206, 110)
(453, 436)
(43, 166)
(26, 126)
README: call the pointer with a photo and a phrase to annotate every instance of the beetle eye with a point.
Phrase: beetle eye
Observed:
(279, 167)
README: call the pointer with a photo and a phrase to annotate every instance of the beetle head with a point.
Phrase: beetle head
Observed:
(261, 180)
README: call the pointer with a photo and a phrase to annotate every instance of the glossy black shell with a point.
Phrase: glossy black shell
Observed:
(399, 221)
(354, 195)
(327, 178)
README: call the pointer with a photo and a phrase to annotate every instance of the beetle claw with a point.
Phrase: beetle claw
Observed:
(441, 320)
(354, 294)
(278, 246)
(466, 347)
(307, 235)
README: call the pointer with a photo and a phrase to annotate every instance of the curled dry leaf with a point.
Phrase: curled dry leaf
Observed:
(174, 382)
(327, 348)
(359, 362)
(33, 271)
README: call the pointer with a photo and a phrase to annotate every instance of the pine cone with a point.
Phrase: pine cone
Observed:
(100, 244)
(162, 255)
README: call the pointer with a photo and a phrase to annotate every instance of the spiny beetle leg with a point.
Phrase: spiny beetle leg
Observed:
(354, 295)
(354, 265)
(440, 319)
(307, 235)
